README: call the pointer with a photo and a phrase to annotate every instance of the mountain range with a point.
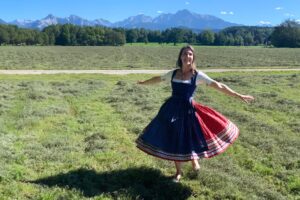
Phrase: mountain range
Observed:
(2, 22)
(182, 18)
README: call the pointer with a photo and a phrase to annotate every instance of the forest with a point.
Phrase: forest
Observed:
(286, 34)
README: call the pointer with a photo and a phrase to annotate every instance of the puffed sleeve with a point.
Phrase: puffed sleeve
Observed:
(167, 76)
(202, 78)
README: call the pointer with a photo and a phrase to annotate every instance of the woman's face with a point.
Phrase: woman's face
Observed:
(187, 57)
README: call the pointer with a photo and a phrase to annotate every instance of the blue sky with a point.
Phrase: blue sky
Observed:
(251, 12)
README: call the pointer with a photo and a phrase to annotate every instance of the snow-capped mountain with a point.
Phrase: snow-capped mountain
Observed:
(102, 22)
(53, 20)
(134, 22)
(182, 18)
(185, 18)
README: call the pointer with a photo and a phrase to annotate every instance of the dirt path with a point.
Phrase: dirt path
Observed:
(123, 72)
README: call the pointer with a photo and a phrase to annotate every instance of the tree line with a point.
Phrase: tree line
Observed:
(285, 35)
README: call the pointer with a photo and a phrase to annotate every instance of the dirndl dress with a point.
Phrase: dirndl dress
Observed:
(185, 130)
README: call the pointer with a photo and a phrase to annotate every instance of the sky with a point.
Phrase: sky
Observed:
(246, 12)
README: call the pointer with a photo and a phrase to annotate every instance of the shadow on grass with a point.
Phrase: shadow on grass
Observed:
(134, 183)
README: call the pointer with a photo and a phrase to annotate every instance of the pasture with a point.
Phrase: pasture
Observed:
(72, 136)
(151, 56)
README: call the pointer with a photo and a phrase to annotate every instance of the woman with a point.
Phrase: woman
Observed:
(183, 129)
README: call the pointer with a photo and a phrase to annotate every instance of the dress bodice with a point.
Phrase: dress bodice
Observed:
(183, 90)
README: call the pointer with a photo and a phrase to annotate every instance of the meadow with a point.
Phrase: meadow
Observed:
(72, 136)
(150, 56)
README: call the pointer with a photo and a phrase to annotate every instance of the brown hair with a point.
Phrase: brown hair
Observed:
(179, 61)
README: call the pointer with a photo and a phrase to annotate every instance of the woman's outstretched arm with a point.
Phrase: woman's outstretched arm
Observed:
(225, 89)
(153, 80)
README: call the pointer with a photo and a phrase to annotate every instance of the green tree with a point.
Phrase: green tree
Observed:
(220, 39)
(252, 35)
(189, 36)
(64, 36)
(114, 38)
(175, 35)
(230, 40)
(155, 36)
(82, 37)
(239, 41)
(91, 36)
(99, 31)
(286, 34)
(53, 32)
(132, 35)
(4, 36)
(143, 36)
(207, 37)
(248, 39)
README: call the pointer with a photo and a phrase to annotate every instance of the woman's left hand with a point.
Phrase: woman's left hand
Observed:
(246, 98)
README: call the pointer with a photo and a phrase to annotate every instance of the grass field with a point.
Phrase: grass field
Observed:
(72, 137)
(143, 57)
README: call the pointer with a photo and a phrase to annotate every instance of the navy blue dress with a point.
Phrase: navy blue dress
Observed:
(180, 131)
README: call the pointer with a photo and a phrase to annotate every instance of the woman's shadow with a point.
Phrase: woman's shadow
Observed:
(135, 183)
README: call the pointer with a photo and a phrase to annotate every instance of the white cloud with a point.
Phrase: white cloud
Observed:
(226, 13)
(187, 3)
(298, 21)
(264, 23)
(279, 8)
(159, 12)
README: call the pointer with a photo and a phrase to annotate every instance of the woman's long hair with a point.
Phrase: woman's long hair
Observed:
(179, 61)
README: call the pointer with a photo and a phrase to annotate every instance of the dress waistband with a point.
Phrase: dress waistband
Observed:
(182, 98)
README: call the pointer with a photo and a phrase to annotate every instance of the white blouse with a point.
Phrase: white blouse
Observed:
(202, 78)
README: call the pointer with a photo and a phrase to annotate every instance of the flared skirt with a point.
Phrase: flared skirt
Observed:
(183, 131)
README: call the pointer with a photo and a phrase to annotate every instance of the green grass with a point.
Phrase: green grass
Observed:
(155, 44)
(72, 137)
(138, 56)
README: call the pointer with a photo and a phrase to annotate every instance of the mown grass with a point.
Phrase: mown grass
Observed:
(72, 137)
(143, 57)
